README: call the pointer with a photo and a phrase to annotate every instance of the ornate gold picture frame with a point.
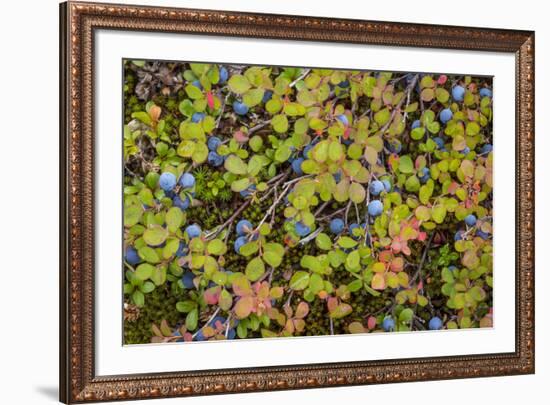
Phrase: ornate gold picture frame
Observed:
(79, 381)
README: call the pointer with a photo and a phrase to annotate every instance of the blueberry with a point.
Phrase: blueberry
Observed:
(343, 119)
(375, 208)
(435, 323)
(213, 143)
(337, 176)
(415, 124)
(243, 227)
(214, 159)
(187, 280)
(388, 324)
(197, 117)
(197, 84)
(193, 231)
(187, 180)
(482, 235)
(267, 96)
(239, 242)
(387, 185)
(458, 93)
(487, 148)
(215, 320)
(182, 249)
(424, 175)
(297, 166)
(485, 92)
(445, 115)
(167, 181)
(248, 191)
(459, 234)
(465, 151)
(199, 337)
(307, 149)
(336, 225)
(231, 334)
(224, 74)
(439, 142)
(132, 256)
(470, 220)
(182, 204)
(240, 108)
(302, 229)
(344, 84)
(376, 187)
(394, 146)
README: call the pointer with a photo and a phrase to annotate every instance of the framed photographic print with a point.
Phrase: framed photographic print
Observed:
(260, 202)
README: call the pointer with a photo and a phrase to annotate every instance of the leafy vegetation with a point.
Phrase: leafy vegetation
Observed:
(277, 202)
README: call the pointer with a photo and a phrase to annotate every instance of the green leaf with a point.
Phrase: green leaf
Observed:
(353, 259)
(239, 84)
(174, 219)
(155, 235)
(406, 315)
(472, 128)
(132, 215)
(193, 92)
(159, 275)
(272, 258)
(138, 298)
(255, 269)
(279, 123)
(357, 193)
(240, 185)
(200, 153)
(412, 184)
(225, 301)
(144, 271)
(299, 280)
(382, 116)
(323, 241)
(346, 242)
(418, 133)
(439, 212)
(186, 306)
(235, 165)
(406, 164)
(253, 97)
(316, 283)
(149, 254)
(216, 247)
(192, 319)
(249, 248)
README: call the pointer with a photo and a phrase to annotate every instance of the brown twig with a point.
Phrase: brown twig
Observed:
(422, 260)
(397, 108)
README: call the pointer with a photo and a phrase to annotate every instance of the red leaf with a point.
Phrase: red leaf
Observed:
(332, 303)
(301, 310)
(240, 137)
(397, 264)
(243, 307)
(378, 282)
(371, 322)
(210, 99)
(212, 295)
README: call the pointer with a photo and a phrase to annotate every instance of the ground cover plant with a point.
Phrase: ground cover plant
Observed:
(277, 202)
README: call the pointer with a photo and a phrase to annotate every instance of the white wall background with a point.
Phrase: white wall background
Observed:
(29, 203)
